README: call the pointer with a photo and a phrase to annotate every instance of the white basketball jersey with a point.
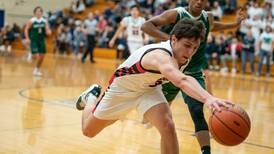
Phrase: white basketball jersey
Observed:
(133, 28)
(132, 76)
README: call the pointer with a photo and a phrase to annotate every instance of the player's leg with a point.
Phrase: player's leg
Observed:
(197, 114)
(34, 50)
(91, 125)
(160, 117)
(154, 108)
(40, 56)
(170, 91)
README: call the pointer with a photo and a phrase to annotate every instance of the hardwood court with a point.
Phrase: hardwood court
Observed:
(38, 114)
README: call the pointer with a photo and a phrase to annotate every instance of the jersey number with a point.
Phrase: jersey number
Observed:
(158, 82)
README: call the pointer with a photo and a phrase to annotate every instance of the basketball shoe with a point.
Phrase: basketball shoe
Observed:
(93, 91)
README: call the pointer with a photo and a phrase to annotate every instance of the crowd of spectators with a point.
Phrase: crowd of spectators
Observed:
(247, 43)
(8, 35)
(253, 40)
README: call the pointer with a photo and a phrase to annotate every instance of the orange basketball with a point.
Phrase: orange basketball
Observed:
(230, 126)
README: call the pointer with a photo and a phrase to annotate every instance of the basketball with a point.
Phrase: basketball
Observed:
(230, 126)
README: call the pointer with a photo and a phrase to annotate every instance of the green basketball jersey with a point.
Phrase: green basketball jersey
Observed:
(37, 31)
(198, 61)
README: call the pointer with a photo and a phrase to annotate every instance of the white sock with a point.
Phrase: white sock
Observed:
(91, 100)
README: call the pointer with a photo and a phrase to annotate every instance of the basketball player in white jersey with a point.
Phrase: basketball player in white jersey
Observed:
(135, 84)
(132, 27)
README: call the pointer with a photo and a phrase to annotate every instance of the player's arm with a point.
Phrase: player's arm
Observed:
(217, 26)
(162, 61)
(48, 30)
(151, 27)
(119, 31)
(26, 31)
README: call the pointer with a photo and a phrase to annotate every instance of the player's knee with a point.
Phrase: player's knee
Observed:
(88, 132)
(168, 126)
(199, 119)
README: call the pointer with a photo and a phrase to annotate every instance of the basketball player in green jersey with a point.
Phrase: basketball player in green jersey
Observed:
(36, 30)
(197, 64)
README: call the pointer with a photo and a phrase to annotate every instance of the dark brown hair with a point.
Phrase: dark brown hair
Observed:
(36, 8)
(189, 28)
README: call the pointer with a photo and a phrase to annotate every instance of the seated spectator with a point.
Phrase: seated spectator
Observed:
(89, 2)
(64, 38)
(78, 6)
(256, 26)
(2, 47)
(217, 11)
(213, 49)
(266, 44)
(102, 24)
(80, 40)
(232, 55)
(254, 10)
(268, 21)
(7, 38)
(231, 6)
(105, 36)
(248, 51)
(16, 30)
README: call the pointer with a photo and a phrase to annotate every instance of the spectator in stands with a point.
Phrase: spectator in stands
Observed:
(266, 44)
(64, 38)
(267, 9)
(2, 47)
(217, 52)
(105, 36)
(89, 2)
(231, 6)
(254, 10)
(232, 55)
(16, 30)
(248, 51)
(80, 40)
(209, 49)
(268, 21)
(217, 11)
(102, 24)
(256, 26)
(7, 37)
(78, 6)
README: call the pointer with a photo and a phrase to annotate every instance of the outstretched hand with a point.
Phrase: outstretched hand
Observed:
(241, 15)
(215, 104)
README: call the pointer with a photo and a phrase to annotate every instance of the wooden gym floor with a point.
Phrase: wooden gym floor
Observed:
(38, 114)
